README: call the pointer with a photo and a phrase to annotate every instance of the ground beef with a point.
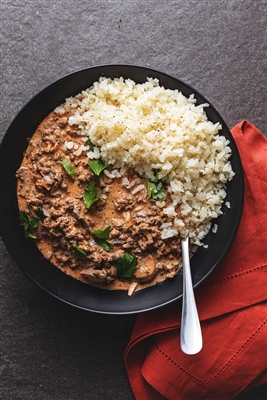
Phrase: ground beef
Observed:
(67, 225)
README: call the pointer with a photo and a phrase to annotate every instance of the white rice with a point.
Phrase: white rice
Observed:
(228, 204)
(214, 228)
(146, 127)
(138, 189)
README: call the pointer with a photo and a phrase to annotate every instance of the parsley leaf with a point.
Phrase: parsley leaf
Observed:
(103, 243)
(90, 195)
(90, 144)
(97, 166)
(68, 168)
(40, 214)
(28, 222)
(126, 266)
(100, 237)
(34, 221)
(154, 191)
(29, 235)
(154, 188)
(78, 252)
(23, 217)
(102, 234)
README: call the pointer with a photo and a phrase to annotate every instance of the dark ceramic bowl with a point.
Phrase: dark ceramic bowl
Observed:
(51, 279)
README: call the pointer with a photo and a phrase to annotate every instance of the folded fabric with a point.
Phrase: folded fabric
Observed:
(231, 304)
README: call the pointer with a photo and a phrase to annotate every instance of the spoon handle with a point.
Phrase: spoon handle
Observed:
(191, 336)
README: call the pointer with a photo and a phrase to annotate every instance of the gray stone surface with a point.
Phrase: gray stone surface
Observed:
(51, 351)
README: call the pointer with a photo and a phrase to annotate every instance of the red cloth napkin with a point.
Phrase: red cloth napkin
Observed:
(231, 304)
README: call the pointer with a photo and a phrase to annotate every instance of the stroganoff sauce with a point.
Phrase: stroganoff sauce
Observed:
(101, 223)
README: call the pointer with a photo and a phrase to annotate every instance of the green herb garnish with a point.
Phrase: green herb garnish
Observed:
(154, 188)
(78, 252)
(100, 237)
(68, 168)
(97, 166)
(40, 214)
(90, 144)
(126, 266)
(90, 195)
(28, 222)
(102, 234)
(34, 221)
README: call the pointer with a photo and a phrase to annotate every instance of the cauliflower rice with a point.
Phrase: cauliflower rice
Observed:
(146, 127)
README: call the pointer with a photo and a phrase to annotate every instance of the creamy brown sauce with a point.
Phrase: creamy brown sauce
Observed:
(43, 184)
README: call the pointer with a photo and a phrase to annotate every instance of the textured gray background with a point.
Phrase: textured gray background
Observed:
(51, 351)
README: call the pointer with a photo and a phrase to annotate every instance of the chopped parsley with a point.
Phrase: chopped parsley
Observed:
(126, 266)
(101, 236)
(90, 144)
(97, 166)
(78, 252)
(27, 223)
(90, 195)
(40, 214)
(34, 221)
(68, 168)
(155, 188)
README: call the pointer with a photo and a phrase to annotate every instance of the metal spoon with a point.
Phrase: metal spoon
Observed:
(191, 336)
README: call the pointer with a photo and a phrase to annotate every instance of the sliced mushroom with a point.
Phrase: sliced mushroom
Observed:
(25, 187)
(95, 275)
(132, 288)
(146, 270)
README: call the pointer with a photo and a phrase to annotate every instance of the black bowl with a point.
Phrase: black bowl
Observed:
(41, 271)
